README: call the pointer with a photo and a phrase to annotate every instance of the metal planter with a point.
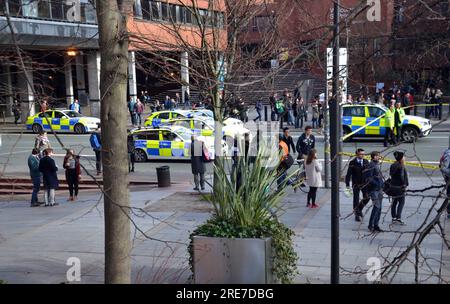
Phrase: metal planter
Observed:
(232, 260)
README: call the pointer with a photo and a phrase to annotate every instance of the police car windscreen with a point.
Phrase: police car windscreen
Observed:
(72, 114)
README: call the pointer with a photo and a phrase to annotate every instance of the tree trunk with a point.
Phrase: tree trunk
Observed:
(218, 117)
(113, 40)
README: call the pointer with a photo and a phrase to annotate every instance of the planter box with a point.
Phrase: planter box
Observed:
(232, 261)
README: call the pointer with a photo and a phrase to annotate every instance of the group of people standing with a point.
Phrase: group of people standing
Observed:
(43, 170)
(367, 179)
(294, 110)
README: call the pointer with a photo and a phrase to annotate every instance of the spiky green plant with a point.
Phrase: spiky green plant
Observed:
(248, 207)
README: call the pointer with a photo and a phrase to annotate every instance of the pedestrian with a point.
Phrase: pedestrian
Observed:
(44, 106)
(285, 162)
(17, 111)
(280, 110)
(405, 103)
(315, 114)
(41, 142)
(73, 173)
(399, 115)
(290, 111)
(35, 174)
(167, 103)
(301, 109)
(374, 183)
(355, 173)
(313, 171)
(177, 99)
(272, 102)
(444, 165)
(399, 183)
(172, 104)
(131, 110)
(96, 144)
(305, 143)
(258, 107)
(389, 120)
(438, 100)
(48, 169)
(131, 151)
(198, 156)
(138, 110)
(287, 138)
(75, 106)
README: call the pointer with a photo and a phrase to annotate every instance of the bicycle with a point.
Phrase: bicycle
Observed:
(298, 180)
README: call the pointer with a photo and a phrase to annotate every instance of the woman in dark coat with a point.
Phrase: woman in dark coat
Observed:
(399, 183)
(197, 162)
(73, 173)
(48, 168)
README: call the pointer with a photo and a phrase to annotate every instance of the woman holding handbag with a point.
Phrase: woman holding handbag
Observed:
(313, 170)
(73, 173)
(198, 157)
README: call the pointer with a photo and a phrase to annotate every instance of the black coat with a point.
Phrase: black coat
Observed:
(304, 145)
(355, 173)
(399, 177)
(48, 168)
(197, 162)
(289, 142)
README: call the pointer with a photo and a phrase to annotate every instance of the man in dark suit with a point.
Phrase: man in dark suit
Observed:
(355, 172)
(48, 169)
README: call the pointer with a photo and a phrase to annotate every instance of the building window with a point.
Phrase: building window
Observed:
(177, 13)
(444, 8)
(44, 9)
(57, 9)
(188, 16)
(156, 10)
(88, 13)
(165, 11)
(30, 8)
(173, 13)
(376, 47)
(145, 9)
(182, 11)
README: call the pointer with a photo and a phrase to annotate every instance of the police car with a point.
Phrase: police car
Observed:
(204, 113)
(205, 127)
(156, 119)
(356, 116)
(62, 121)
(167, 143)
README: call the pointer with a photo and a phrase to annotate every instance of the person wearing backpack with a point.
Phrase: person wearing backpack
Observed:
(96, 145)
(399, 183)
(444, 165)
(280, 109)
(313, 170)
(198, 162)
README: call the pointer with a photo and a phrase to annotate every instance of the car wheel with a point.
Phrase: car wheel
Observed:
(140, 156)
(409, 134)
(79, 129)
(347, 131)
(37, 128)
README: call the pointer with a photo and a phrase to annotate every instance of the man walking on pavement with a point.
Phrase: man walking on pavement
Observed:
(258, 108)
(138, 110)
(355, 172)
(399, 115)
(389, 136)
(287, 138)
(374, 183)
(35, 174)
(96, 145)
(305, 143)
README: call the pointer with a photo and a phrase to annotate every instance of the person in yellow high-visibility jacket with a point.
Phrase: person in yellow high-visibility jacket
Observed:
(389, 137)
(399, 115)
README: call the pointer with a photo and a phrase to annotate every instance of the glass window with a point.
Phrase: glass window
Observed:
(57, 9)
(88, 13)
(182, 12)
(199, 125)
(44, 9)
(164, 115)
(59, 114)
(30, 8)
(145, 9)
(165, 11)
(357, 112)
(48, 114)
(173, 13)
(182, 123)
(375, 112)
(156, 10)
(72, 114)
(167, 135)
(177, 13)
(2, 7)
(14, 7)
(188, 16)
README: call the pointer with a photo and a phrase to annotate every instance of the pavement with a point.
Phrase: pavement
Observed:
(36, 243)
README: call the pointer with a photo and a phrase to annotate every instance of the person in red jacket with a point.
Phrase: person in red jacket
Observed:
(73, 173)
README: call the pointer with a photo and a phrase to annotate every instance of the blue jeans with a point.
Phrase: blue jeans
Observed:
(377, 198)
(290, 117)
(36, 187)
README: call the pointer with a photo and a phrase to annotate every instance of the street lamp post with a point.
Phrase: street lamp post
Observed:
(335, 157)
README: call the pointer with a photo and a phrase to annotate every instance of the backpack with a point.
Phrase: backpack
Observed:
(288, 162)
(279, 107)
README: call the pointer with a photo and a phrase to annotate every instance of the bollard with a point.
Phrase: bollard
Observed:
(265, 113)
(415, 110)
(440, 111)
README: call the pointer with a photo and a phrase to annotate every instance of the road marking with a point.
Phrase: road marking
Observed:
(15, 152)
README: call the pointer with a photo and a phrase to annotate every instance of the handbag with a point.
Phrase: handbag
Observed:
(205, 155)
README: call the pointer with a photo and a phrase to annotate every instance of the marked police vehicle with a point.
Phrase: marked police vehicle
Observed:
(62, 121)
(358, 115)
